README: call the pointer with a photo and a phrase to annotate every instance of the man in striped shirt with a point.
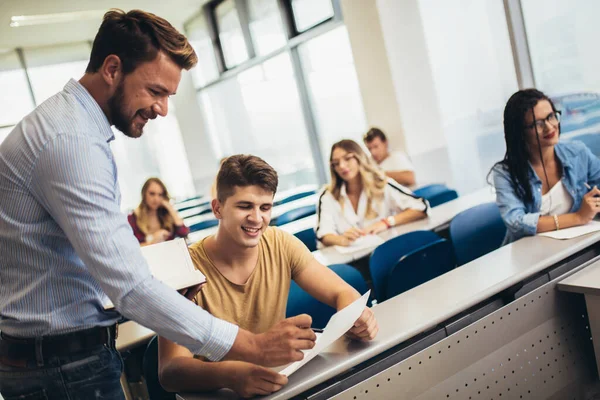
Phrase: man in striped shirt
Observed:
(64, 244)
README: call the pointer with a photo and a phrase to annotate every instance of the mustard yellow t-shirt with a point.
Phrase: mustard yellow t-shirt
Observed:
(260, 303)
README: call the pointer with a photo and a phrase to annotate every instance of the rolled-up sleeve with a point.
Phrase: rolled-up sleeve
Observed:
(514, 213)
(74, 179)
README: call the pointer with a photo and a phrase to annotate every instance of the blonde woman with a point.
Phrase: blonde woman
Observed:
(155, 220)
(360, 200)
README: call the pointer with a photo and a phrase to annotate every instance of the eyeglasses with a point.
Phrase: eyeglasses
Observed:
(540, 124)
(347, 158)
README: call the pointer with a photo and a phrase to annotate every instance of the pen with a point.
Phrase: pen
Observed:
(587, 186)
(317, 330)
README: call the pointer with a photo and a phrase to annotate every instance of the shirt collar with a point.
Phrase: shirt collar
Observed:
(564, 159)
(91, 106)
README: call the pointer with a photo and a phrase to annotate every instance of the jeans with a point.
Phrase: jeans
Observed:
(94, 374)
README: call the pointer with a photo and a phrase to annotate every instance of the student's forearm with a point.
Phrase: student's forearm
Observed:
(547, 223)
(406, 178)
(346, 297)
(183, 374)
(407, 216)
(334, 240)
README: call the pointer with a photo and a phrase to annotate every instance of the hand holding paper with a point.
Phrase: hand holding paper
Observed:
(365, 328)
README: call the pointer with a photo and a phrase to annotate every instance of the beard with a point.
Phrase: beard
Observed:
(118, 115)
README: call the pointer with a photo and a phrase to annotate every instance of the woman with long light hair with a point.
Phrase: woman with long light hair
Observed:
(360, 200)
(155, 220)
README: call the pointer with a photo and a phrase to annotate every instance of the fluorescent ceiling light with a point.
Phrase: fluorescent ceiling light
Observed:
(43, 19)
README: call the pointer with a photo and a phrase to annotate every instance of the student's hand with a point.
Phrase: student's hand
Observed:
(375, 228)
(590, 205)
(352, 234)
(167, 204)
(250, 380)
(191, 292)
(365, 328)
(160, 236)
(283, 343)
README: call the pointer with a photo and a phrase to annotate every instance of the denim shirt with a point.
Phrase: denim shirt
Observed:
(579, 166)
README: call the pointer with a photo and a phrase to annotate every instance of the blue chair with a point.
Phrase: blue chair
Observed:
(209, 223)
(150, 371)
(436, 194)
(300, 302)
(387, 255)
(294, 214)
(419, 266)
(476, 231)
(308, 237)
(295, 196)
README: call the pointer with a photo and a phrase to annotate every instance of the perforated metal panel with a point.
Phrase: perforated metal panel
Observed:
(537, 347)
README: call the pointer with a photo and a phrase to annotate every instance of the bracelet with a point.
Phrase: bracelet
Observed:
(386, 223)
(556, 221)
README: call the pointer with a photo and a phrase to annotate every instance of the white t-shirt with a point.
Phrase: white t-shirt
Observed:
(332, 218)
(557, 201)
(397, 161)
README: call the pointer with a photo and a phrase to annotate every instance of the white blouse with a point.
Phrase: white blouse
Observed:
(332, 218)
(557, 201)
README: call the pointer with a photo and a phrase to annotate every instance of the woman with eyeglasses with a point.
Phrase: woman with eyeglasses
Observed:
(360, 200)
(542, 184)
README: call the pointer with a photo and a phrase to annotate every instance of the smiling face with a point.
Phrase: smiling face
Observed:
(344, 164)
(143, 95)
(244, 215)
(548, 135)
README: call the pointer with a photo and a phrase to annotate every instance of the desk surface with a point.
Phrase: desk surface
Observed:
(132, 334)
(586, 281)
(417, 310)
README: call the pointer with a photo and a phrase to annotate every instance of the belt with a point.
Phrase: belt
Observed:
(23, 352)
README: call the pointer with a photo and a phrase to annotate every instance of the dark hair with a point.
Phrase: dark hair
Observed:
(374, 133)
(244, 170)
(137, 37)
(516, 158)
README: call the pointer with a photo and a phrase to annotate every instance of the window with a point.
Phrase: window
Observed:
(15, 101)
(206, 70)
(265, 26)
(159, 152)
(50, 68)
(474, 75)
(308, 13)
(333, 87)
(259, 112)
(562, 43)
(230, 34)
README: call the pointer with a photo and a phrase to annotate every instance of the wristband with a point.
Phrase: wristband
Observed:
(386, 222)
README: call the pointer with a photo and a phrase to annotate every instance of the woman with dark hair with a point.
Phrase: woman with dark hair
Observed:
(542, 184)
(155, 220)
(360, 200)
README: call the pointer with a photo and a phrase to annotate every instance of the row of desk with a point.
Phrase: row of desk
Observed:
(491, 327)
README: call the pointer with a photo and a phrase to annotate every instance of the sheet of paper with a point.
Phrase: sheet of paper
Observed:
(570, 233)
(363, 242)
(170, 263)
(337, 326)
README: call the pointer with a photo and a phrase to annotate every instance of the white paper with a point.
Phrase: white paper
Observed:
(170, 263)
(363, 242)
(570, 233)
(338, 325)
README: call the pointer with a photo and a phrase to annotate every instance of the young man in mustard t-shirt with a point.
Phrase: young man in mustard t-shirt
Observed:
(249, 267)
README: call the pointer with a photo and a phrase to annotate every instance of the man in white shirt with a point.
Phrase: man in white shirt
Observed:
(395, 164)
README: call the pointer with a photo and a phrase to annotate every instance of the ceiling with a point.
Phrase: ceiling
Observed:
(175, 11)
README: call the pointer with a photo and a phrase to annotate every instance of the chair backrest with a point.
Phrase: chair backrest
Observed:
(300, 302)
(295, 196)
(476, 231)
(150, 371)
(294, 214)
(308, 237)
(419, 266)
(209, 223)
(436, 194)
(386, 255)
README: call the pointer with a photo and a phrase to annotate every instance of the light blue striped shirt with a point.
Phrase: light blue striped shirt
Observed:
(64, 242)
